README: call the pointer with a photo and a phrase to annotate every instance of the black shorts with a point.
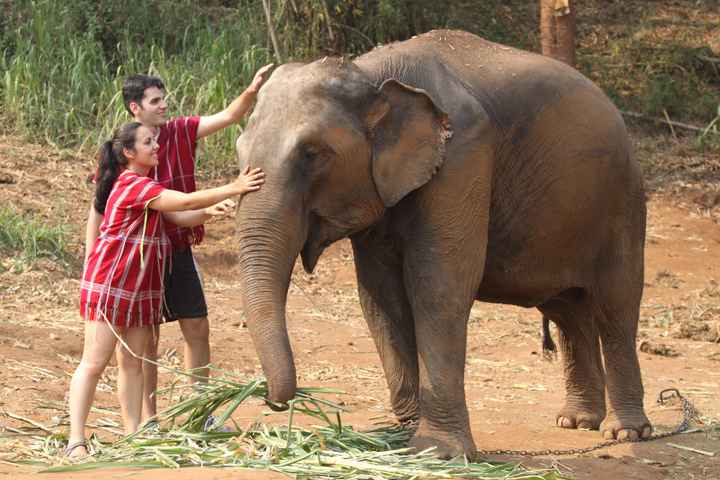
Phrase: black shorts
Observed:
(184, 296)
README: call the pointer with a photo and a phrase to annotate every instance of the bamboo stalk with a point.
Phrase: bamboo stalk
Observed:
(690, 449)
(686, 126)
(670, 124)
(271, 30)
(27, 420)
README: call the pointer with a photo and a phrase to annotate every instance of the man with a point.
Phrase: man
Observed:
(144, 98)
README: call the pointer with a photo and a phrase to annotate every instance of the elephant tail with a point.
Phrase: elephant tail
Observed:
(549, 348)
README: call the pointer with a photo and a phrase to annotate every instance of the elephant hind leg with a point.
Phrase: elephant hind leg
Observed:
(619, 307)
(579, 342)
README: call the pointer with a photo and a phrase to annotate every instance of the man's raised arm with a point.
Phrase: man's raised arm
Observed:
(237, 109)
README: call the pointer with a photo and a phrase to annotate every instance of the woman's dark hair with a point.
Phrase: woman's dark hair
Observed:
(111, 161)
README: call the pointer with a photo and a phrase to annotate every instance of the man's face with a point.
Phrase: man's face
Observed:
(152, 109)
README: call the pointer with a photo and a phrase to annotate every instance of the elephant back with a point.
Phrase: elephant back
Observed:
(465, 75)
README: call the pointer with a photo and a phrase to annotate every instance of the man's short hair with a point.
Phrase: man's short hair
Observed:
(134, 88)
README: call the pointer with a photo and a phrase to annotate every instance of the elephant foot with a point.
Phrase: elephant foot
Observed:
(407, 416)
(579, 418)
(626, 426)
(447, 444)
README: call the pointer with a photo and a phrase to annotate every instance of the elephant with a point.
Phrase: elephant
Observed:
(461, 170)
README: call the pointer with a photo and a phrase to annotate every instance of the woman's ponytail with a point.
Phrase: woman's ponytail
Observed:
(108, 171)
(111, 162)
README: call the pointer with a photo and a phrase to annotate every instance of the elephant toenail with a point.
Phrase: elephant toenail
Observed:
(647, 431)
(608, 435)
(633, 435)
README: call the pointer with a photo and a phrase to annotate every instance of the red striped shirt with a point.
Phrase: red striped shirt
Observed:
(123, 276)
(176, 170)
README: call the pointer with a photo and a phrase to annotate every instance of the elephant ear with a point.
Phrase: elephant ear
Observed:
(408, 133)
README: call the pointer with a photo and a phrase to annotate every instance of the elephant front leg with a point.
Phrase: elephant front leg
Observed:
(389, 318)
(441, 303)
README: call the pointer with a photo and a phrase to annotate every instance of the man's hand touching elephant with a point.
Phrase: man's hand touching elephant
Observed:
(260, 78)
(220, 209)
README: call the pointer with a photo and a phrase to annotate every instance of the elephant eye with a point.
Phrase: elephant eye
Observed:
(313, 155)
(310, 153)
(313, 160)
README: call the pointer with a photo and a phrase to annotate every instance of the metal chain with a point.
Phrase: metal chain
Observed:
(689, 414)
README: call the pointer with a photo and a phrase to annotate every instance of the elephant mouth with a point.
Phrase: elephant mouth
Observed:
(310, 255)
(314, 245)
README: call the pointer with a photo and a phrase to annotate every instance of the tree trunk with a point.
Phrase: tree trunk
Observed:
(557, 29)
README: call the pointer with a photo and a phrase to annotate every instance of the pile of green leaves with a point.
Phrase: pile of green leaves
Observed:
(331, 450)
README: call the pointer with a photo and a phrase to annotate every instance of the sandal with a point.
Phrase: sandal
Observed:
(72, 446)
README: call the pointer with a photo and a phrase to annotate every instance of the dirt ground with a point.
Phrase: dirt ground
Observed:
(512, 392)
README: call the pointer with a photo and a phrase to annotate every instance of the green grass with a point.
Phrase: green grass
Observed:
(60, 80)
(709, 138)
(25, 238)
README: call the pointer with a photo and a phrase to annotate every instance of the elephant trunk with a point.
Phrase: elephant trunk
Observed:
(269, 242)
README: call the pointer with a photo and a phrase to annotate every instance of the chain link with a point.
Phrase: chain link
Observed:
(689, 415)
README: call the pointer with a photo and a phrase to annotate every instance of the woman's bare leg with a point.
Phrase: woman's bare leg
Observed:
(150, 374)
(130, 376)
(97, 349)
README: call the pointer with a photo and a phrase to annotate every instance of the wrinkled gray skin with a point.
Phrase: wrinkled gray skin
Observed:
(461, 170)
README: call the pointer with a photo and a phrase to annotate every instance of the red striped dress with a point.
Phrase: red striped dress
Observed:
(123, 275)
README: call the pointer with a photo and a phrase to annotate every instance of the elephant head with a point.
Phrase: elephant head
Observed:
(337, 152)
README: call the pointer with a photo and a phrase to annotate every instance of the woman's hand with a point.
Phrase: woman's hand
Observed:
(220, 209)
(249, 180)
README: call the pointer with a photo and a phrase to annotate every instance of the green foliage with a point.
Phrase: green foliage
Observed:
(312, 27)
(710, 137)
(678, 82)
(62, 62)
(657, 64)
(663, 92)
(24, 239)
(52, 79)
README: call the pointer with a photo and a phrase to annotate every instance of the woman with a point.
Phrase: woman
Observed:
(121, 289)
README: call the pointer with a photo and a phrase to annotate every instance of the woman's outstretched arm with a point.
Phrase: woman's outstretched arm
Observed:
(174, 201)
